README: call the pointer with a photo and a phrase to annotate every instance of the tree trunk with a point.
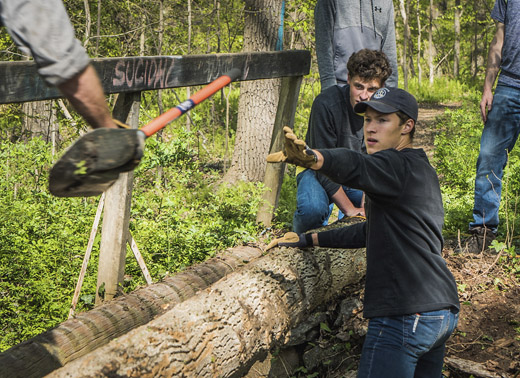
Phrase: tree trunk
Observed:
(258, 99)
(88, 22)
(39, 120)
(419, 43)
(431, 66)
(406, 41)
(91, 330)
(456, 46)
(225, 328)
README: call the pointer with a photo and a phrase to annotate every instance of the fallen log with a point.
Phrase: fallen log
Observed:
(90, 330)
(224, 329)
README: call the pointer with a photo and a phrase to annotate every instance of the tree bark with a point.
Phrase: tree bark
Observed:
(91, 330)
(406, 41)
(419, 43)
(224, 329)
(258, 99)
(39, 120)
(456, 46)
(431, 66)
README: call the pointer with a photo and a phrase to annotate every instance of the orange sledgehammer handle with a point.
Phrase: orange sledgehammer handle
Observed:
(158, 123)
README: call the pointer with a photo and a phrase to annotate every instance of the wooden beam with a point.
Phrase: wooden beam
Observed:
(19, 81)
(288, 100)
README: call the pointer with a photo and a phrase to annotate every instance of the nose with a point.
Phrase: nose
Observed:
(368, 125)
(364, 95)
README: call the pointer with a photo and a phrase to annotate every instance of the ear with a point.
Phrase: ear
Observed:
(348, 79)
(408, 126)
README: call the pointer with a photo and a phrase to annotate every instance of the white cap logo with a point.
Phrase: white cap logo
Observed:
(380, 93)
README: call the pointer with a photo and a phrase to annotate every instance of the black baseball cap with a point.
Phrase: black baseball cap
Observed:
(390, 100)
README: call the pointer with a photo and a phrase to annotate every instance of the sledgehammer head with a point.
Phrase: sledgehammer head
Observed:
(94, 162)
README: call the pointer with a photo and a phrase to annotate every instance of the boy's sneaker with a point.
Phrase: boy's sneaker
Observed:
(479, 240)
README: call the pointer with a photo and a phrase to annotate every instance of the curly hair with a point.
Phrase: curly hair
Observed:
(369, 65)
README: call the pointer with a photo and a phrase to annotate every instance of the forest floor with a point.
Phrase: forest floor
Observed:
(488, 333)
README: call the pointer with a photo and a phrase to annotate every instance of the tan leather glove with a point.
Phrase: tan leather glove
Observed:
(291, 239)
(295, 151)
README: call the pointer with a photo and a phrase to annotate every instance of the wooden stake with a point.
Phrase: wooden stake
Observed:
(87, 255)
(139, 258)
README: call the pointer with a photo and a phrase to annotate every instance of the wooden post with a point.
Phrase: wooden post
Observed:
(289, 92)
(114, 233)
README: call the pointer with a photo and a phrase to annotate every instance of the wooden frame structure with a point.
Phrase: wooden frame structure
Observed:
(19, 82)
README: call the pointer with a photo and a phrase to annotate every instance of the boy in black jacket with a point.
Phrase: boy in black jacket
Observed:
(411, 297)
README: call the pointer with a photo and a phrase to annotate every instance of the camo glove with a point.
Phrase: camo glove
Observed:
(295, 152)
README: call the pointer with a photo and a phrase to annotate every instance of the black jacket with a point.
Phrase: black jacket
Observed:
(406, 273)
(333, 123)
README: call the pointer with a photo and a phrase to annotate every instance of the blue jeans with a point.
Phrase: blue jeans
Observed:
(313, 205)
(498, 138)
(410, 346)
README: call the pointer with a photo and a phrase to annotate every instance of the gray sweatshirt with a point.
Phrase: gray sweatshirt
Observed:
(42, 29)
(346, 26)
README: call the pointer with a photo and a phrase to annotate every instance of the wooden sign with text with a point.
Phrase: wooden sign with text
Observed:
(20, 82)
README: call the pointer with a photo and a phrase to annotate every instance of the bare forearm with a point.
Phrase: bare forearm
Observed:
(492, 68)
(494, 58)
(85, 93)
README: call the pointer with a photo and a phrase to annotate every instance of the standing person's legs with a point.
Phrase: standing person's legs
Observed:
(498, 138)
(312, 203)
(410, 346)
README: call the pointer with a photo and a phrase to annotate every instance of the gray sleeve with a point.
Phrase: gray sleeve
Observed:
(42, 29)
(389, 48)
(324, 20)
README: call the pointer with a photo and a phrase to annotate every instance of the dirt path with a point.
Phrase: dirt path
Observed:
(425, 131)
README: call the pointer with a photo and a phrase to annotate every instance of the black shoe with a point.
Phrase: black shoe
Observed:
(479, 241)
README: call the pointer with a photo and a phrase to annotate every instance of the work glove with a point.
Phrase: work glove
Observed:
(295, 151)
(292, 239)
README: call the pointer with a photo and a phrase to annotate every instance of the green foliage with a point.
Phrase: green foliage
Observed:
(443, 90)
(456, 152)
(42, 239)
(182, 218)
(287, 201)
